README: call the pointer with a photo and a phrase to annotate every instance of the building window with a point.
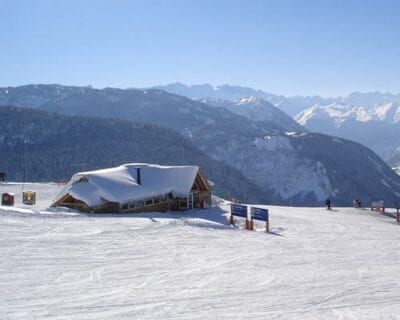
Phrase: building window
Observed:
(148, 202)
(139, 204)
(132, 205)
(124, 207)
(157, 200)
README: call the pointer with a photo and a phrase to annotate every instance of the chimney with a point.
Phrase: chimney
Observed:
(138, 176)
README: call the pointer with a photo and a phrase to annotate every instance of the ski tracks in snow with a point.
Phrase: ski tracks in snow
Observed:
(317, 265)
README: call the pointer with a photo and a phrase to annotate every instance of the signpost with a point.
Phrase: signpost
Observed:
(260, 214)
(238, 210)
(378, 205)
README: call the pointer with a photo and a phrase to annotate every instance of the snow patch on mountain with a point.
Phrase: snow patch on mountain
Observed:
(248, 100)
(396, 116)
(273, 143)
(385, 183)
(292, 178)
(187, 133)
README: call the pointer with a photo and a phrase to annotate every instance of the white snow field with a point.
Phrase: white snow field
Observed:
(315, 264)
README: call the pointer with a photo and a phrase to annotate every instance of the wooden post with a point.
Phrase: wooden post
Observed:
(231, 220)
(398, 215)
(249, 224)
(267, 226)
(252, 225)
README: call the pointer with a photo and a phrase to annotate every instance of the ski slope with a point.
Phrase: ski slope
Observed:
(315, 264)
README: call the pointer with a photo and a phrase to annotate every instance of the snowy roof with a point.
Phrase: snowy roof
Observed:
(120, 185)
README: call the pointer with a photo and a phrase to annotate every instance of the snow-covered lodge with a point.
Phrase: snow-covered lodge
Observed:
(136, 187)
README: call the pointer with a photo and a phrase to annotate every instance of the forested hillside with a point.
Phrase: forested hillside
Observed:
(39, 146)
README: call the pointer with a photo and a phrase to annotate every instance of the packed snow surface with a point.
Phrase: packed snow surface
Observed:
(314, 264)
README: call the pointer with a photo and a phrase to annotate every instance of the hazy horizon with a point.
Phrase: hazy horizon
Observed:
(196, 84)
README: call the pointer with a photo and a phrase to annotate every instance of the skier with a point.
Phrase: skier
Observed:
(357, 203)
(328, 203)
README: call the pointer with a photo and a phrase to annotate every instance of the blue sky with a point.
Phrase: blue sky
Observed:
(302, 47)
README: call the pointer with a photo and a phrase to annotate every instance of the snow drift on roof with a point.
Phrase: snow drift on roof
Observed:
(120, 185)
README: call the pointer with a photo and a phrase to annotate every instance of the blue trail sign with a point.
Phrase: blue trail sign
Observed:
(238, 210)
(259, 214)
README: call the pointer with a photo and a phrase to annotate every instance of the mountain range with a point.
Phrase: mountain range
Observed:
(289, 105)
(376, 126)
(289, 163)
(372, 118)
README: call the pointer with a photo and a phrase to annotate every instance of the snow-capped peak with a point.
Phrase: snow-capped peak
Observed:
(339, 113)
